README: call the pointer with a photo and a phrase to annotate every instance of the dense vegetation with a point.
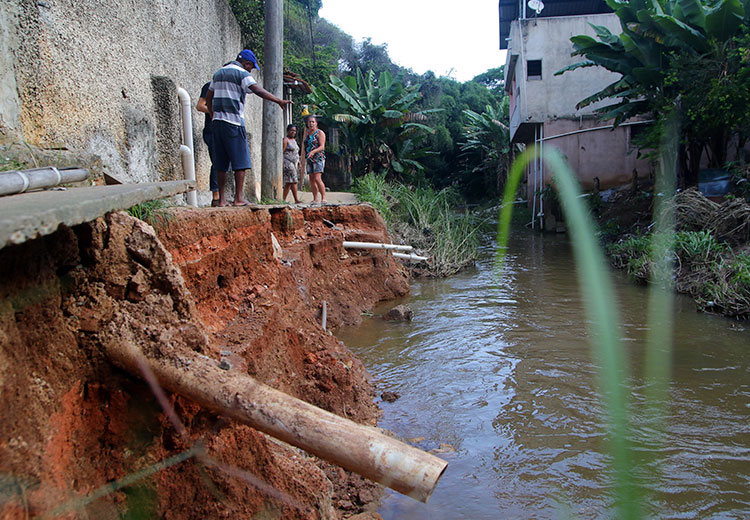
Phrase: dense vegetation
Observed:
(425, 218)
(689, 57)
(429, 148)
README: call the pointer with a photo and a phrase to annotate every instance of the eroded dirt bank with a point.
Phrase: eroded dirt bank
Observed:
(209, 282)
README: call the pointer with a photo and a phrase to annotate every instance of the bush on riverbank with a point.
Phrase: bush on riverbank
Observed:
(709, 248)
(715, 275)
(426, 219)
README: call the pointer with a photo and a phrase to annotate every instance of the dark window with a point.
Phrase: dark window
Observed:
(635, 132)
(534, 69)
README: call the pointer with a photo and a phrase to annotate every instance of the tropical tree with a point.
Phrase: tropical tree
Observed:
(449, 166)
(487, 140)
(250, 15)
(669, 50)
(378, 130)
(494, 80)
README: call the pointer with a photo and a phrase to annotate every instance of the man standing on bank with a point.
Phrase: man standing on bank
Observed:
(226, 104)
(208, 138)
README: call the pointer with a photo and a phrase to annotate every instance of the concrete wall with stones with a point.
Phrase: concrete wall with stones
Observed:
(100, 77)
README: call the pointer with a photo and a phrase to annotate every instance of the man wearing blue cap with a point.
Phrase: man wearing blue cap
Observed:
(225, 100)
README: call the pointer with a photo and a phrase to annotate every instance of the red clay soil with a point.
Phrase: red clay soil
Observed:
(81, 438)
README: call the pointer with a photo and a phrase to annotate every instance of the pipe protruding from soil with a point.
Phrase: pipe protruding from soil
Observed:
(358, 448)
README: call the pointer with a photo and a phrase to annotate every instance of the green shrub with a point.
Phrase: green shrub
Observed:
(698, 247)
(426, 219)
(374, 189)
(740, 268)
(632, 247)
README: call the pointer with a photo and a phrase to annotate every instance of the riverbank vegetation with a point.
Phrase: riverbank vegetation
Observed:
(427, 219)
(710, 246)
(683, 66)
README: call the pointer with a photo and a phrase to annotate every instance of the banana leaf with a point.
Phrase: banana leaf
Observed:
(682, 35)
(692, 12)
(724, 19)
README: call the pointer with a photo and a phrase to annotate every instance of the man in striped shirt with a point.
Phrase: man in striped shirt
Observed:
(226, 105)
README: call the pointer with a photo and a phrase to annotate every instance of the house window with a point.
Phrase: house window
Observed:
(534, 69)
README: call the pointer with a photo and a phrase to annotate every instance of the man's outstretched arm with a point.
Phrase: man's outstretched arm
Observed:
(261, 92)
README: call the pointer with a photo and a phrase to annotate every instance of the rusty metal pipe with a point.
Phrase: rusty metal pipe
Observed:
(365, 450)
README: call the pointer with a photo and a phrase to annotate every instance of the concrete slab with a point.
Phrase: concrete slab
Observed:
(28, 215)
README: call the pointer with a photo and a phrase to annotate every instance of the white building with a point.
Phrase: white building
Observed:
(543, 106)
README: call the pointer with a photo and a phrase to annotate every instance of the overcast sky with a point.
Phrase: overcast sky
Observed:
(457, 38)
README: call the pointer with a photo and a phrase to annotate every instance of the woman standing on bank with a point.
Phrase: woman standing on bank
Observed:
(314, 158)
(291, 162)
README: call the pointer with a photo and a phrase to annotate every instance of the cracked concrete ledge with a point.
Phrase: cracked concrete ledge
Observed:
(25, 216)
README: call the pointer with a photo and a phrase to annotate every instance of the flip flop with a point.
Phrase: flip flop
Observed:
(215, 203)
(246, 203)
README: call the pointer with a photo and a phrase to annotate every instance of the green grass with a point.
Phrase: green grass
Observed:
(602, 316)
(10, 164)
(708, 269)
(699, 247)
(269, 201)
(154, 212)
(373, 188)
(427, 219)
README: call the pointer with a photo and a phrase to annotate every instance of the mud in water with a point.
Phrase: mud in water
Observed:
(76, 426)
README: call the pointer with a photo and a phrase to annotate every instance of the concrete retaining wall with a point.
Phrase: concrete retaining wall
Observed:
(101, 76)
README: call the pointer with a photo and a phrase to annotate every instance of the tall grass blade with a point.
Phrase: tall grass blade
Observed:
(657, 371)
(601, 313)
(506, 210)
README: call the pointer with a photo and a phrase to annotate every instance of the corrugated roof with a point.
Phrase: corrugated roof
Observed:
(511, 10)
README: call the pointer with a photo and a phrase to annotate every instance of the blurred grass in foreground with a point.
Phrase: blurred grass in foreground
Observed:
(630, 498)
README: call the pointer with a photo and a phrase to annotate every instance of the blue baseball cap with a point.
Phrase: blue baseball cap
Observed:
(248, 55)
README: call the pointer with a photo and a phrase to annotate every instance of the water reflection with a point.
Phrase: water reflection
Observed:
(502, 372)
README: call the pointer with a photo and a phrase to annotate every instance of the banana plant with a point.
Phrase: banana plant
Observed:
(658, 38)
(487, 137)
(378, 129)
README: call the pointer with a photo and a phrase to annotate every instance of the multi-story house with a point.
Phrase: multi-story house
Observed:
(543, 106)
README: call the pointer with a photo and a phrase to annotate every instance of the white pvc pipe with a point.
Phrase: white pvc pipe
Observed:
(188, 166)
(325, 314)
(376, 245)
(19, 181)
(416, 258)
(186, 110)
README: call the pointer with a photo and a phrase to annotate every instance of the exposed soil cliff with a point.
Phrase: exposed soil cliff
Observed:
(212, 281)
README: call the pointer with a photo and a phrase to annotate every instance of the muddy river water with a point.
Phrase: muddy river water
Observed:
(499, 378)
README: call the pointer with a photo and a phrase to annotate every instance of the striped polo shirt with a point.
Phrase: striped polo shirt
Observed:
(230, 84)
